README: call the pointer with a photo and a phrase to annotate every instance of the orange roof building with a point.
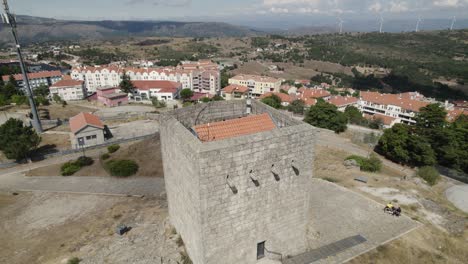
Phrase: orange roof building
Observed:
(87, 130)
(403, 106)
(343, 101)
(234, 91)
(234, 127)
(82, 120)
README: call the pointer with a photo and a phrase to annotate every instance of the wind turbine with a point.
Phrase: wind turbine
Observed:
(340, 24)
(454, 19)
(417, 24)
(381, 23)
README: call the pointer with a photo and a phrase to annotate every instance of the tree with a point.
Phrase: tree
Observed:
(8, 90)
(431, 117)
(16, 140)
(325, 115)
(273, 101)
(297, 107)
(42, 90)
(354, 115)
(19, 99)
(186, 94)
(400, 145)
(56, 98)
(217, 98)
(12, 81)
(126, 84)
(158, 104)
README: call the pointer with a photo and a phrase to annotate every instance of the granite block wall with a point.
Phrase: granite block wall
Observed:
(226, 196)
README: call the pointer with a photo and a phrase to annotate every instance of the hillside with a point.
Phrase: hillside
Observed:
(36, 29)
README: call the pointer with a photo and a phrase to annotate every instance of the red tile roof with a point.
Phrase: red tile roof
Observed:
(406, 101)
(387, 120)
(340, 101)
(313, 93)
(66, 83)
(234, 128)
(197, 96)
(35, 75)
(235, 88)
(285, 98)
(82, 120)
(164, 86)
(453, 115)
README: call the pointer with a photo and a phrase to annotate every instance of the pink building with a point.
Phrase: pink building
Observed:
(111, 96)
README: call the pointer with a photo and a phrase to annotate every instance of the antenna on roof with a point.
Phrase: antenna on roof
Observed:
(9, 19)
(454, 19)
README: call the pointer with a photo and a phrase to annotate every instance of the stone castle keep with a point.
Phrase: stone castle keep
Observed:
(236, 180)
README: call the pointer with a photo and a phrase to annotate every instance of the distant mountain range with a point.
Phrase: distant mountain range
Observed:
(39, 29)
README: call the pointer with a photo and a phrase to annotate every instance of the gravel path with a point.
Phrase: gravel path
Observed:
(458, 195)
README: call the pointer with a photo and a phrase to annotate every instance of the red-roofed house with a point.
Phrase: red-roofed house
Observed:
(234, 91)
(87, 130)
(286, 99)
(46, 78)
(387, 121)
(403, 106)
(313, 93)
(163, 90)
(68, 90)
(111, 96)
(343, 101)
(234, 127)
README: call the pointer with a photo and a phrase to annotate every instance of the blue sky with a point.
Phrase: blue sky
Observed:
(238, 10)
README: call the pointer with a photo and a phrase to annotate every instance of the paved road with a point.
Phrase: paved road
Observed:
(95, 185)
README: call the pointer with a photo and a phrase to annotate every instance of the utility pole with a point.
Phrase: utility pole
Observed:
(9, 19)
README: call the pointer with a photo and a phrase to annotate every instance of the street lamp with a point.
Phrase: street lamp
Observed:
(9, 19)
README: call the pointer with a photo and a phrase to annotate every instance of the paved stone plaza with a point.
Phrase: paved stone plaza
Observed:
(339, 214)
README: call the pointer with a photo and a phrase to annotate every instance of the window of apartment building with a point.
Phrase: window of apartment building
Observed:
(261, 250)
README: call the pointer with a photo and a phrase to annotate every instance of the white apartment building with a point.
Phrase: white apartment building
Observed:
(402, 107)
(163, 90)
(68, 90)
(200, 76)
(36, 79)
(258, 85)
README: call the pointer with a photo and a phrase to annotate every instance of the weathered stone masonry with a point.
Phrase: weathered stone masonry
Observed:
(226, 196)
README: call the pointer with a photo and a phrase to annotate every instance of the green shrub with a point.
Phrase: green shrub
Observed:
(74, 260)
(19, 99)
(69, 168)
(122, 168)
(113, 148)
(84, 161)
(372, 164)
(105, 156)
(72, 167)
(429, 174)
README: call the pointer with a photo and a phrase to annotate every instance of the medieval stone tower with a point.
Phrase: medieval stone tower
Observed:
(236, 180)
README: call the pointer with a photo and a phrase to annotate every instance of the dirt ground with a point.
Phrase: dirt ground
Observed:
(294, 72)
(147, 153)
(60, 141)
(444, 238)
(57, 111)
(51, 228)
